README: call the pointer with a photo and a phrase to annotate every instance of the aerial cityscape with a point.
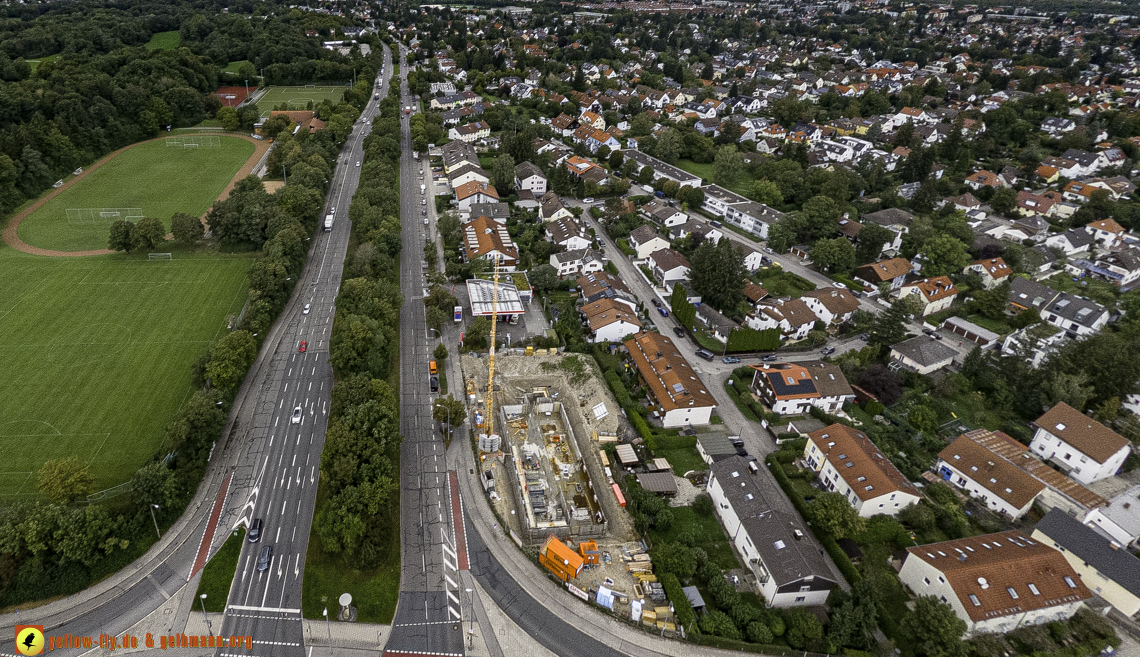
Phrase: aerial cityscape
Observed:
(584, 328)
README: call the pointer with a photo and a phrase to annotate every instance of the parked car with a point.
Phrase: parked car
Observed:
(730, 360)
(679, 331)
(661, 309)
(588, 199)
(706, 354)
(770, 358)
(254, 530)
(434, 383)
(827, 351)
(655, 302)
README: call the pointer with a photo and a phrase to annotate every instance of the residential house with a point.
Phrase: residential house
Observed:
(673, 387)
(568, 233)
(893, 219)
(1003, 475)
(719, 326)
(793, 317)
(469, 132)
(484, 238)
(1103, 566)
(577, 262)
(934, 294)
(500, 212)
(473, 192)
(832, 305)
(645, 241)
(996, 583)
(921, 354)
(1106, 232)
(604, 285)
(1071, 242)
(465, 173)
(775, 543)
(552, 209)
(980, 179)
(1032, 205)
(792, 388)
(848, 463)
(737, 210)
(669, 267)
(661, 169)
(663, 213)
(993, 271)
(893, 271)
(529, 177)
(1079, 445)
(609, 320)
(1121, 268)
(753, 259)
(1119, 518)
(1077, 316)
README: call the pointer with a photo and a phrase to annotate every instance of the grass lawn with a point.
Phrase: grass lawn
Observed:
(218, 574)
(234, 66)
(156, 179)
(780, 283)
(683, 459)
(298, 98)
(97, 354)
(710, 535)
(1101, 292)
(999, 327)
(706, 340)
(705, 171)
(374, 592)
(165, 41)
(35, 63)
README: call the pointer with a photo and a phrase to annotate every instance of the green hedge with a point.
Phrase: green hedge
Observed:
(828, 541)
(683, 311)
(681, 606)
(741, 646)
(746, 339)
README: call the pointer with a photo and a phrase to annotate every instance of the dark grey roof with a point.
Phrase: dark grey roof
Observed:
(716, 444)
(889, 217)
(1095, 550)
(492, 210)
(658, 482)
(924, 350)
(771, 529)
(1030, 294)
(694, 597)
(1076, 309)
(528, 169)
(714, 319)
(781, 387)
(1079, 237)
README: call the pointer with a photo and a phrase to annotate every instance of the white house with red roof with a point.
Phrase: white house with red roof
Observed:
(934, 294)
(993, 271)
(850, 464)
(1085, 449)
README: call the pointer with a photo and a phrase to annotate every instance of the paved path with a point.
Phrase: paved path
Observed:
(14, 241)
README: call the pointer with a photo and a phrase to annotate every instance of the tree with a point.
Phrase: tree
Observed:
(1004, 201)
(718, 274)
(718, 623)
(870, 241)
(503, 173)
(833, 514)
(228, 117)
(617, 159)
(1070, 388)
(120, 237)
(543, 277)
(448, 409)
(674, 558)
(881, 382)
(767, 192)
(154, 484)
(932, 629)
(944, 255)
(835, 255)
(890, 327)
(147, 234)
(821, 216)
(65, 479)
(230, 357)
(728, 165)
(668, 146)
(187, 228)
(803, 627)
(853, 625)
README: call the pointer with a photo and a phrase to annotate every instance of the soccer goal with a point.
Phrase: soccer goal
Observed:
(195, 141)
(102, 215)
(161, 256)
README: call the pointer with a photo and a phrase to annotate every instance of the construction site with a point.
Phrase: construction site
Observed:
(540, 420)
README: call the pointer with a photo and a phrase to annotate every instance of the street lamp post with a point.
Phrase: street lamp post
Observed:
(471, 628)
(329, 626)
(438, 334)
(209, 627)
(152, 508)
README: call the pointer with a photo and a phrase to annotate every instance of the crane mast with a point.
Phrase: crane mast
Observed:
(490, 420)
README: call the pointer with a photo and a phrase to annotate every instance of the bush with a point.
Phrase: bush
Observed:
(703, 505)
(681, 606)
(747, 340)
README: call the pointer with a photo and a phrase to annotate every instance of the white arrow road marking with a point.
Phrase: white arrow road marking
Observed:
(297, 566)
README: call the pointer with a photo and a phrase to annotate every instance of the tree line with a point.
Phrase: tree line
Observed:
(358, 515)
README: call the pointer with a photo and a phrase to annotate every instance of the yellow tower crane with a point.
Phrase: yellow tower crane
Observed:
(489, 422)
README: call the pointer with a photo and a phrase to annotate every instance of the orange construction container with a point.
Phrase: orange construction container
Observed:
(589, 551)
(559, 559)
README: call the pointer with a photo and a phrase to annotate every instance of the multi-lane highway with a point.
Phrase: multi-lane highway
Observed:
(282, 462)
(428, 611)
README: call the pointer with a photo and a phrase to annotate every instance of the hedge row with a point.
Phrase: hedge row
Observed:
(744, 339)
(681, 606)
(828, 541)
(621, 394)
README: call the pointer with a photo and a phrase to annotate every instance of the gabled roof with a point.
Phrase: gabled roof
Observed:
(469, 189)
(1080, 431)
(668, 260)
(1000, 476)
(995, 267)
(890, 217)
(884, 270)
(527, 170)
(982, 569)
(838, 300)
(672, 382)
(859, 462)
(924, 350)
(1107, 225)
(607, 311)
(1095, 550)
(934, 289)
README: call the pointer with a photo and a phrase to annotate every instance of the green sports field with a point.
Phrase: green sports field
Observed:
(157, 179)
(298, 97)
(97, 355)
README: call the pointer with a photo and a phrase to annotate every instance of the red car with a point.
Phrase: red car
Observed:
(304, 346)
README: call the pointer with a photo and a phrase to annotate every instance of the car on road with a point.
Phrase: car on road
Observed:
(730, 360)
(588, 199)
(770, 358)
(333, 210)
(297, 415)
(265, 558)
(423, 201)
(423, 212)
(664, 313)
(305, 310)
(425, 221)
(932, 333)
(655, 302)
(303, 346)
(434, 383)
(254, 530)
(679, 331)
(706, 354)
(358, 163)
(827, 351)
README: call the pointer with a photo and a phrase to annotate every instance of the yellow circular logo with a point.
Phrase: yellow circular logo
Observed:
(29, 641)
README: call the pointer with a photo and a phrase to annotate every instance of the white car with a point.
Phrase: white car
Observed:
(588, 199)
(425, 221)
(297, 415)
(305, 310)
(358, 163)
(423, 201)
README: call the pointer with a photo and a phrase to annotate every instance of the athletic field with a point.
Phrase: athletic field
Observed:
(97, 354)
(298, 97)
(155, 178)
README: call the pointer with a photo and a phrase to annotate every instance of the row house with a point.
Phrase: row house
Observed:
(848, 463)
